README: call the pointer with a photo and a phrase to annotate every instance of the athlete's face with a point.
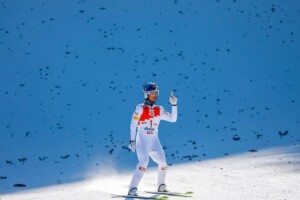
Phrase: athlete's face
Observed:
(153, 96)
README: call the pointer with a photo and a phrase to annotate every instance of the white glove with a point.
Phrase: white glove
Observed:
(173, 99)
(131, 146)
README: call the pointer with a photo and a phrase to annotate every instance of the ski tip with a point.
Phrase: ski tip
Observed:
(163, 198)
(189, 192)
(172, 93)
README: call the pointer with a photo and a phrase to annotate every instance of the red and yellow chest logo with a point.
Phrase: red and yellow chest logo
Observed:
(149, 113)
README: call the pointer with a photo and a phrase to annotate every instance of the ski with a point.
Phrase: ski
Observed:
(177, 194)
(139, 197)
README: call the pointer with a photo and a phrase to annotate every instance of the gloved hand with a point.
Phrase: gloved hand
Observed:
(131, 146)
(173, 99)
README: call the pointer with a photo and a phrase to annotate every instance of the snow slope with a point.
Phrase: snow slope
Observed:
(269, 174)
(71, 75)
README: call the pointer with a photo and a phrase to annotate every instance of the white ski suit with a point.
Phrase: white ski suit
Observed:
(146, 119)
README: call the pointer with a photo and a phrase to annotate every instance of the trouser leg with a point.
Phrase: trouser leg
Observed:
(158, 156)
(162, 171)
(143, 156)
(138, 174)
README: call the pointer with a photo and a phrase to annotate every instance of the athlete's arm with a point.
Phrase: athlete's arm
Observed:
(170, 117)
(134, 121)
(167, 116)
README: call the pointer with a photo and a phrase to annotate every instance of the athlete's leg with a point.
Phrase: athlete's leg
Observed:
(143, 157)
(159, 157)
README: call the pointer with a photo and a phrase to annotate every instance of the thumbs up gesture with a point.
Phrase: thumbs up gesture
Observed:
(173, 99)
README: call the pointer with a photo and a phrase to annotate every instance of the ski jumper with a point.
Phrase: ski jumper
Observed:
(146, 120)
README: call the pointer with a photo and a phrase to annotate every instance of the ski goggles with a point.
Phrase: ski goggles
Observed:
(153, 93)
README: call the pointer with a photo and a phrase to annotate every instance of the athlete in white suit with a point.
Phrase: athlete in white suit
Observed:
(145, 141)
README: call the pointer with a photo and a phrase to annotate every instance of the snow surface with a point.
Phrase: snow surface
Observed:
(71, 76)
(268, 174)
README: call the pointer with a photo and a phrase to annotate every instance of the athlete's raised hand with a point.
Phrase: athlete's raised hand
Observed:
(173, 99)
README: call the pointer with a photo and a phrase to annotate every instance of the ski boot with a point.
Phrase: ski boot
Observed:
(133, 192)
(162, 188)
